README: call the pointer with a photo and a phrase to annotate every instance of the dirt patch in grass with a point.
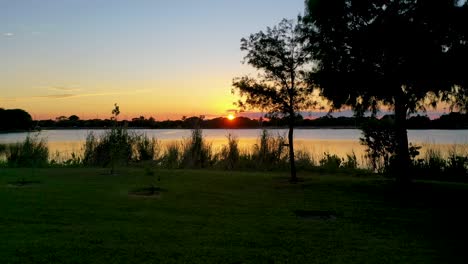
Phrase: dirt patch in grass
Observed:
(152, 192)
(22, 183)
(315, 215)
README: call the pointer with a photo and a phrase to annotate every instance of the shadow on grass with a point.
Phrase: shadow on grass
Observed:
(433, 211)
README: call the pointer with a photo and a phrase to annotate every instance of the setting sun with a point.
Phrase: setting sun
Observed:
(231, 117)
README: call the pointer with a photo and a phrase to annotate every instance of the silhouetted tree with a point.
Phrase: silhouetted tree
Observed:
(193, 122)
(15, 119)
(73, 118)
(118, 139)
(61, 118)
(280, 55)
(405, 54)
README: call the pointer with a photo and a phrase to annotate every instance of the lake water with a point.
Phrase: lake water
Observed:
(315, 141)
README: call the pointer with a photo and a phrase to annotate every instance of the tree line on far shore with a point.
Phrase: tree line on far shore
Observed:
(20, 120)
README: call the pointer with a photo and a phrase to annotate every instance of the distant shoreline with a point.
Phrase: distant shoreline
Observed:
(150, 128)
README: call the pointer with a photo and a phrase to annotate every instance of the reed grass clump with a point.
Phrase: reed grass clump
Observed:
(172, 156)
(270, 151)
(3, 148)
(146, 148)
(119, 147)
(304, 161)
(32, 152)
(229, 156)
(434, 166)
(350, 162)
(114, 147)
(197, 153)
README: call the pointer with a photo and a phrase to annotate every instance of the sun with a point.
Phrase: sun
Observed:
(231, 117)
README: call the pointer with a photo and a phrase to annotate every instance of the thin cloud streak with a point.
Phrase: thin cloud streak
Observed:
(60, 88)
(232, 111)
(54, 96)
(65, 96)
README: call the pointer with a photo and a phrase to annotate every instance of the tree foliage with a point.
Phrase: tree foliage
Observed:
(405, 54)
(280, 55)
(370, 52)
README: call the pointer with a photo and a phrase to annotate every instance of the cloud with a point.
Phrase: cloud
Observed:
(8, 34)
(61, 88)
(67, 95)
(2, 99)
(56, 96)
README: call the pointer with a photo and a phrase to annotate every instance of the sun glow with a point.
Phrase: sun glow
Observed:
(231, 117)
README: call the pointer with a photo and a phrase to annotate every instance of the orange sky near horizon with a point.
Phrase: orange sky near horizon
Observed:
(169, 100)
(160, 59)
(164, 59)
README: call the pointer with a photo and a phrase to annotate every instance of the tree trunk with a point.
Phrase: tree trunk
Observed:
(292, 162)
(402, 152)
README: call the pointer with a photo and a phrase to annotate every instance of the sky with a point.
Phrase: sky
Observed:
(159, 58)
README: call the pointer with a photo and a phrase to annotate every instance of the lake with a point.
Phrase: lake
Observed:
(315, 141)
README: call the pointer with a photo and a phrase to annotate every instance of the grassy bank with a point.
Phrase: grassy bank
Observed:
(87, 216)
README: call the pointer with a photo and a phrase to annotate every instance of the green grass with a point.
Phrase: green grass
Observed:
(80, 215)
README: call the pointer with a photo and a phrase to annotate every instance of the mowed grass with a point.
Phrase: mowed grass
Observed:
(203, 216)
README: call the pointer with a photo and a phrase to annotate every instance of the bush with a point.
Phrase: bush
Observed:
(379, 138)
(32, 152)
(330, 161)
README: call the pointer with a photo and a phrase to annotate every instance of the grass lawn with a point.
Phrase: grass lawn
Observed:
(202, 216)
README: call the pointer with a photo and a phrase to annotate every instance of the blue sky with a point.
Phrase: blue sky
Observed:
(158, 58)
